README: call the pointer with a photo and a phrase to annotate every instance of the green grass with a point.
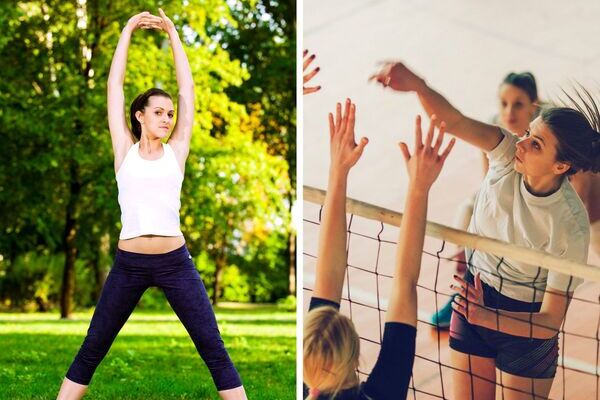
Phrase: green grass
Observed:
(152, 358)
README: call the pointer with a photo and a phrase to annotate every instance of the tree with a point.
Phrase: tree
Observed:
(57, 186)
(264, 39)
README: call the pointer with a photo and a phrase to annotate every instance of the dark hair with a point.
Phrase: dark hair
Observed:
(524, 81)
(576, 127)
(139, 104)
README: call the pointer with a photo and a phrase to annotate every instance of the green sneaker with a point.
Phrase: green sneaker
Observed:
(441, 319)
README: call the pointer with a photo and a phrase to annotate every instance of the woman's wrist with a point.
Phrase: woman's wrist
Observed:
(337, 174)
(420, 85)
(416, 189)
(172, 33)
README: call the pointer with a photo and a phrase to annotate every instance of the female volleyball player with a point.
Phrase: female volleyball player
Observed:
(509, 313)
(331, 344)
(518, 105)
(151, 250)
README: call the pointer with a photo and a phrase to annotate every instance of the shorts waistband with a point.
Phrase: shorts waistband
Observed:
(495, 299)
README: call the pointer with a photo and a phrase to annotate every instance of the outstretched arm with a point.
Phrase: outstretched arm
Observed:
(182, 133)
(423, 166)
(398, 77)
(119, 131)
(344, 153)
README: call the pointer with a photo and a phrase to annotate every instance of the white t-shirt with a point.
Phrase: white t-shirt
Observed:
(505, 210)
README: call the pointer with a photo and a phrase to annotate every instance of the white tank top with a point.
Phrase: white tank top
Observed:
(149, 192)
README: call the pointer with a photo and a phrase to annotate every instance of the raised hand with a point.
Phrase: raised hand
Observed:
(165, 22)
(397, 76)
(425, 164)
(143, 20)
(344, 151)
(310, 75)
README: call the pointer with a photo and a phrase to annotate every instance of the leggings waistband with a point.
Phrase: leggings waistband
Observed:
(176, 256)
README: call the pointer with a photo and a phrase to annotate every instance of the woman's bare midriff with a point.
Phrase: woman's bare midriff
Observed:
(151, 244)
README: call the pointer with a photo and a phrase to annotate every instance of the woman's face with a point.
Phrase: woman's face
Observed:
(536, 152)
(516, 109)
(157, 118)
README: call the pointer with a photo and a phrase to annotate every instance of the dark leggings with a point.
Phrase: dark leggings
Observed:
(175, 274)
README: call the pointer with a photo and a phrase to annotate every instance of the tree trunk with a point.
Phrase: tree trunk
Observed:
(292, 258)
(292, 252)
(219, 267)
(97, 263)
(98, 278)
(70, 249)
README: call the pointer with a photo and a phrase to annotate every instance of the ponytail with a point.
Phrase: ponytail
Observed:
(576, 126)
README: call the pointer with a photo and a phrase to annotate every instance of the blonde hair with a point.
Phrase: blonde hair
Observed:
(331, 351)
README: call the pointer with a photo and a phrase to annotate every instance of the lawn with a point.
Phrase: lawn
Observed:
(153, 356)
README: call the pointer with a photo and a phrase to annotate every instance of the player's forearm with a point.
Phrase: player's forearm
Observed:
(412, 236)
(535, 325)
(331, 259)
(484, 136)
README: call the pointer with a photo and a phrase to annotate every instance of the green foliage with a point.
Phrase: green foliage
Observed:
(288, 303)
(57, 158)
(264, 40)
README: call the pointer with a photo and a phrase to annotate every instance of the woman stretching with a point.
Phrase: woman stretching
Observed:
(151, 249)
(508, 314)
(331, 343)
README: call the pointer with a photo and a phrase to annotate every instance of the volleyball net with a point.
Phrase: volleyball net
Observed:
(371, 248)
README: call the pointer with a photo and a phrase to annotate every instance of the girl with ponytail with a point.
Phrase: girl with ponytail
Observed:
(331, 344)
(151, 250)
(508, 314)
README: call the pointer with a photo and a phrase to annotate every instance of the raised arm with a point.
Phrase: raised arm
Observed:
(344, 153)
(398, 77)
(121, 136)
(182, 133)
(423, 166)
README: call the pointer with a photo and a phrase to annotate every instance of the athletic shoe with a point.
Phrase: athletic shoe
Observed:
(441, 319)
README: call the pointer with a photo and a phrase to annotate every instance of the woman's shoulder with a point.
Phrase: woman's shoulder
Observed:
(575, 215)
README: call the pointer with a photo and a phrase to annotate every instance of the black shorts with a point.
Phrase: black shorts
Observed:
(515, 355)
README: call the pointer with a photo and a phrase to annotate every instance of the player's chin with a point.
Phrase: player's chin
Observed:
(519, 166)
(161, 133)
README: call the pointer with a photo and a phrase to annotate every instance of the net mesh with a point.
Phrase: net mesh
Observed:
(371, 248)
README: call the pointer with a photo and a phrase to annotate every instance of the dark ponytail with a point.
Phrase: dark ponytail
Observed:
(139, 104)
(577, 129)
(524, 81)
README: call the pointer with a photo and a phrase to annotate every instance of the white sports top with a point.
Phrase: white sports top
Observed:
(506, 210)
(149, 193)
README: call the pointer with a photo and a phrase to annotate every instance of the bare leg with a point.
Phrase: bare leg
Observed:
(237, 393)
(526, 388)
(70, 390)
(480, 383)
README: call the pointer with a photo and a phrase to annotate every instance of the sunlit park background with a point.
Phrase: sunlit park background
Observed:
(59, 216)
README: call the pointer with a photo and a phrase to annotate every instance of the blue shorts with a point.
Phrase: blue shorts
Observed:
(515, 355)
